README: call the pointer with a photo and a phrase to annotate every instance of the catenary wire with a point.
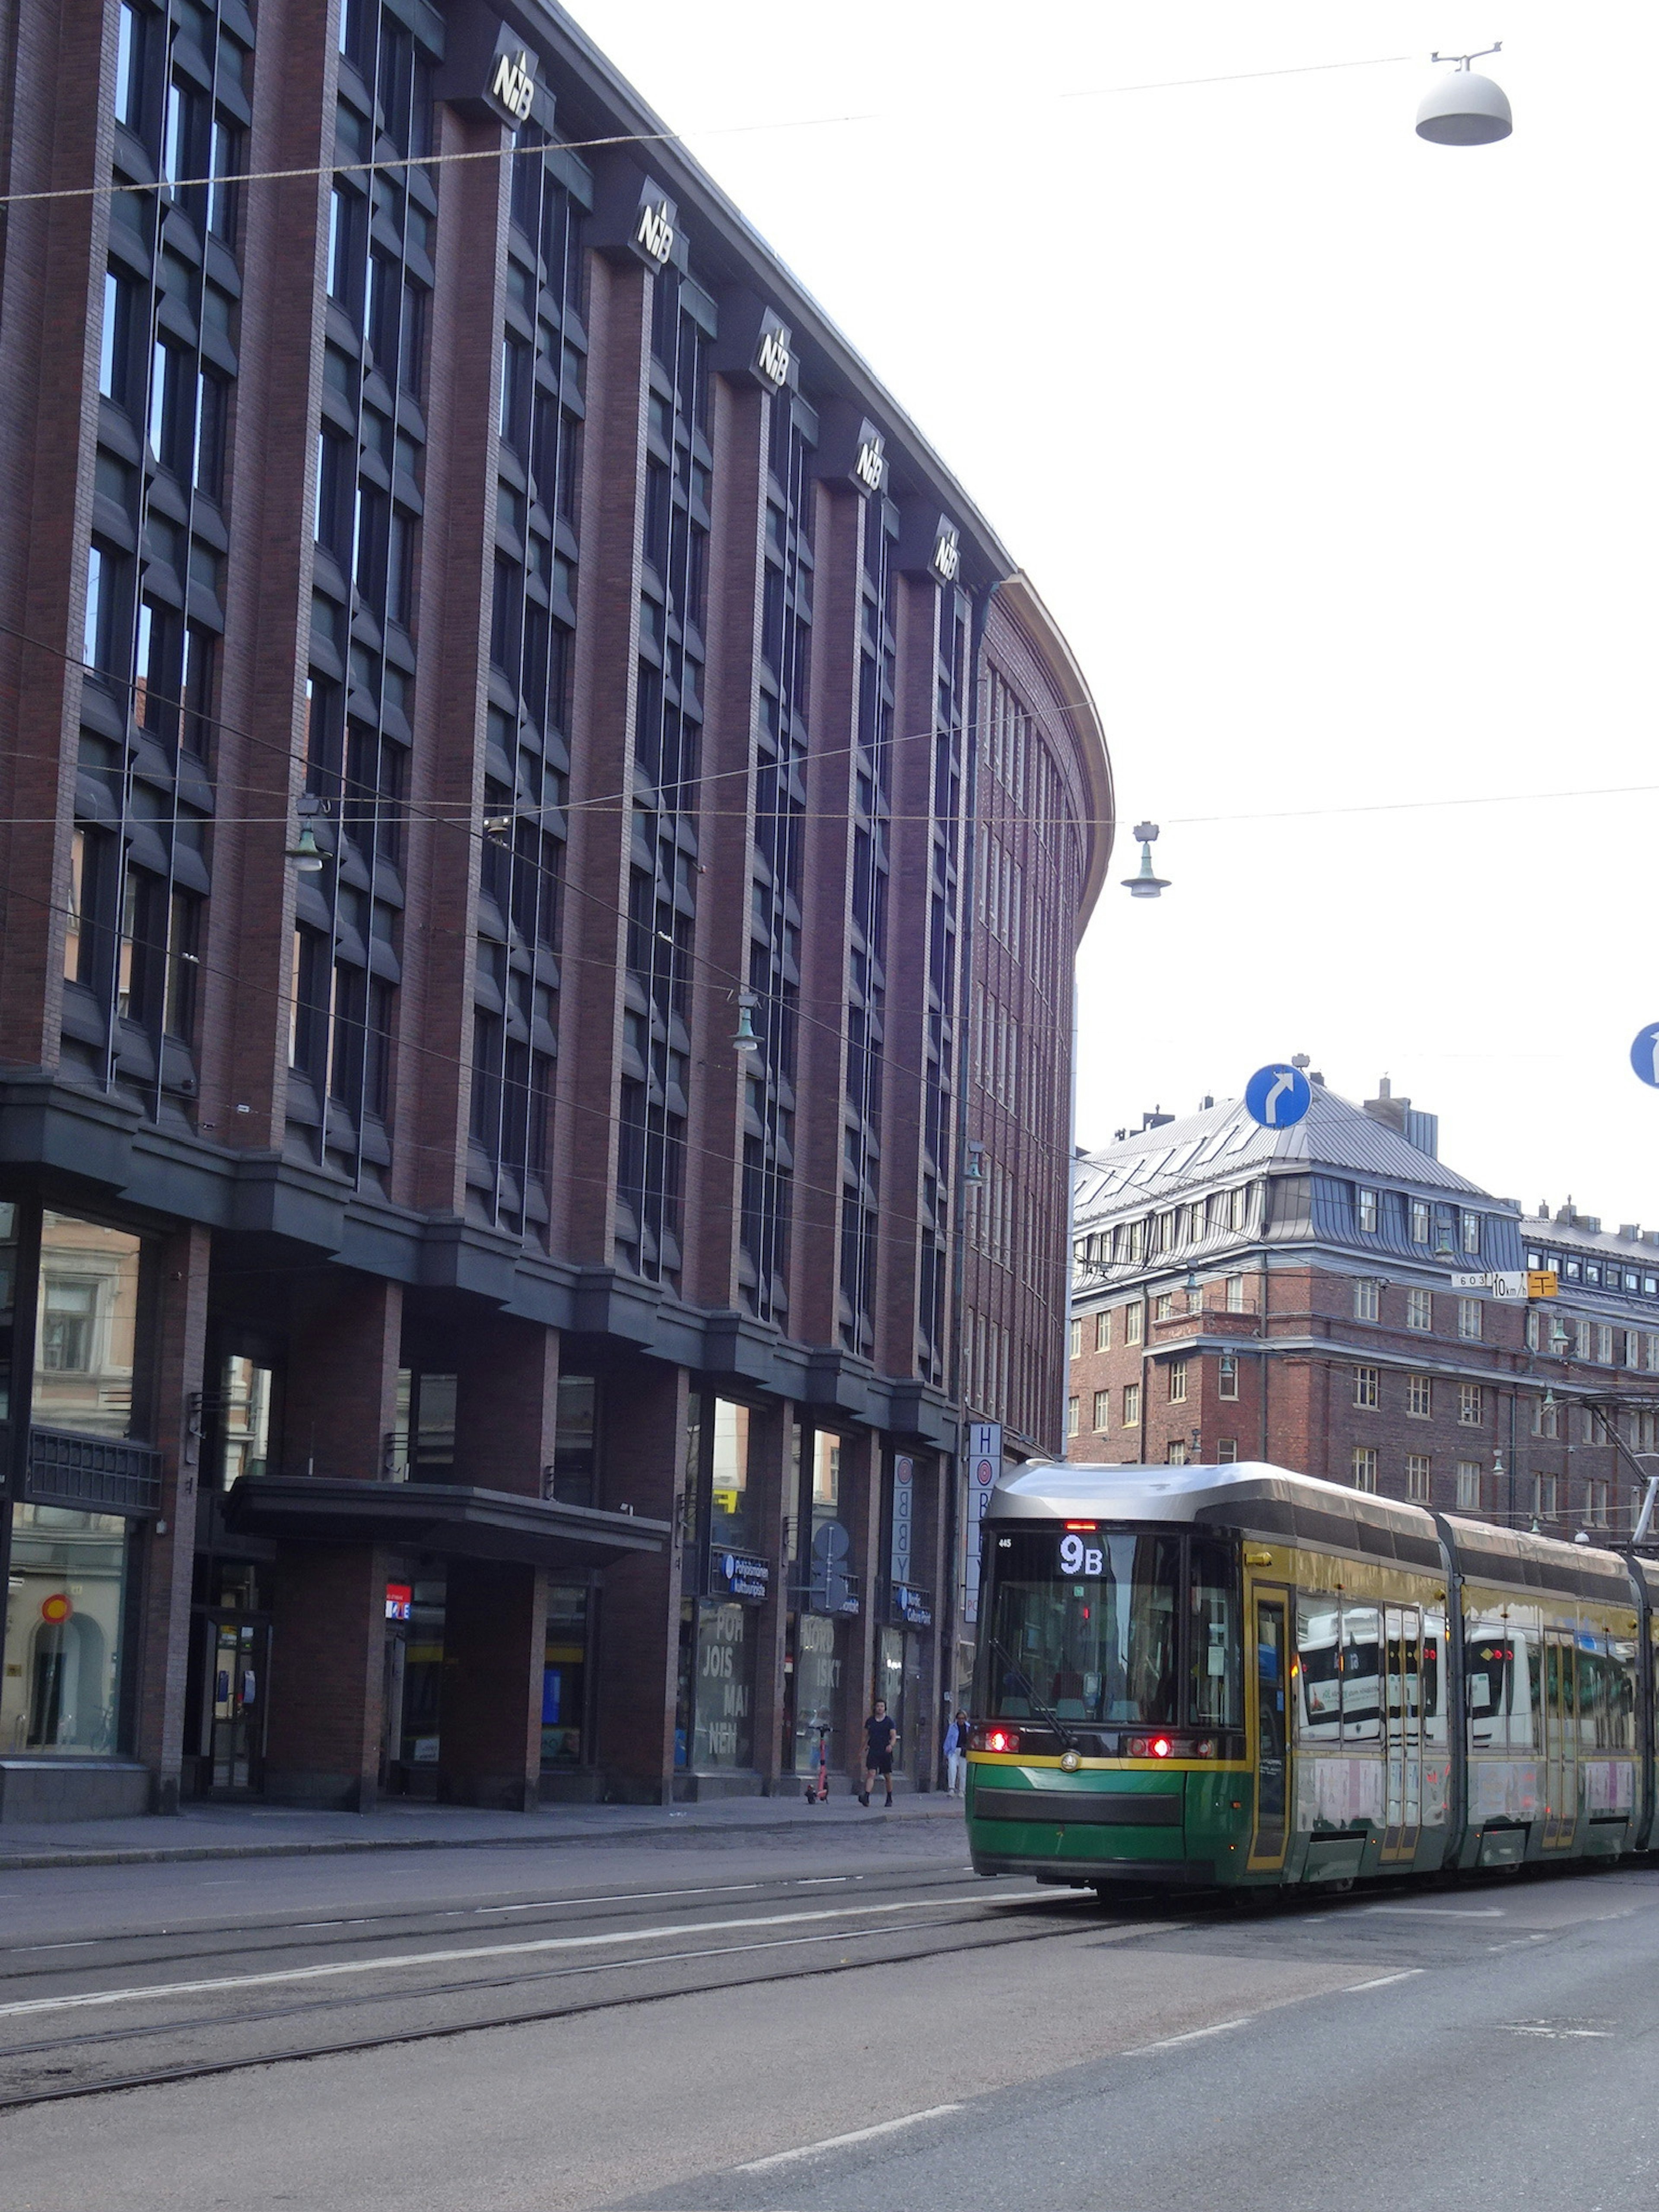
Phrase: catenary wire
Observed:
(663, 137)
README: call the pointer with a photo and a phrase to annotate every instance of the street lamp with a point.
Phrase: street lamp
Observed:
(1145, 882)
(1464, 109)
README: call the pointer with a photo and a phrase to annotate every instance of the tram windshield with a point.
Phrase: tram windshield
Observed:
(1108, 1626)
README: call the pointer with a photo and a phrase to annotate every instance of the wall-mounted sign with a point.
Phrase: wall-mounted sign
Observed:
(399, 1601)
(870, 462)
(1542, 1283)
(984, 1466)
(905, 1492)
(773, 359)
(947, 551)
(513, 86)
(740, 1574)
(911, 1607)
(653, 231)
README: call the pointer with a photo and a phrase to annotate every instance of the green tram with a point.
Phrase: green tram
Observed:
(1236, 1676)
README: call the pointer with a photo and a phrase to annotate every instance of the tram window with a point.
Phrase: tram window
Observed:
(1434, 1712)
(1362, 1657)
(1214, 1644)
(1318, 1659)
(1501, 1684)
(1104, 1650)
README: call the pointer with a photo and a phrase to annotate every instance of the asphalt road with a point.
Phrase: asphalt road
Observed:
(713, 2021)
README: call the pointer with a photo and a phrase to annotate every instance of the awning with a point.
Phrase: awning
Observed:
(447, 1517)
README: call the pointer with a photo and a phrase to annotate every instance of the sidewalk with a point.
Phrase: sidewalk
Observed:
(402, 1823)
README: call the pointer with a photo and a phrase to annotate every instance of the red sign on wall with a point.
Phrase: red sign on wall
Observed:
(399, 1601)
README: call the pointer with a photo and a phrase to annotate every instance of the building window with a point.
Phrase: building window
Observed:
(1535, 1329)
(1604, 1344)
(1103, 1329)
(1650, 1346)
(1363, 1467)
(1632, 1348)
(1241, 1207)
(1470, 1405)
(1227, 1385)
(1419, 1310)
(1545, 1495)
(1581, 1340)
(1071, 1417)
(1132, 1324)
(1365, 1386)
(1468, 1317)
(1226, 1451)
(1163, 1305)
(1546, 1417)
(1595, 1504)
(1077, 1339)
(1174, 1453)
(1132, 1405)
(1103, 1410)
(1368, 1210)
(1235, 1293)
(1365, 1298)
(1472, 1232)
(1177, 1381)
(1589, 1426)
(1468, 1485)
(1417, 1477)
(1419, 1396)
(1419, 1221)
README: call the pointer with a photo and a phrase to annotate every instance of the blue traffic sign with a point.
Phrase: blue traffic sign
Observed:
(1277, 1095)
(1644, 1054)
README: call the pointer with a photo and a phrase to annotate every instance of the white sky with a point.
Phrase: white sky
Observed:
(1330, 450)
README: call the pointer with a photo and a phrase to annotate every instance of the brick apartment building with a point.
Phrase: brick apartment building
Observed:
(542, 833)
(1287, 1295)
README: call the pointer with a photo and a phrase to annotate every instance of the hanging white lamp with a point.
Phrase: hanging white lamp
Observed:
(1464, 109)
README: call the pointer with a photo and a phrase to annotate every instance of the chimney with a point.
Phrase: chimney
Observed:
(1155, 1119)
(1418, 1128)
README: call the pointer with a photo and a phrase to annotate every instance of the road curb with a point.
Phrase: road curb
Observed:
(167, 1854)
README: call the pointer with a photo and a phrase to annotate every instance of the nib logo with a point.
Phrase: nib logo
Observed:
(772, 361)
(871, 463)
(655, 233)
(947, 553)
(513, 85)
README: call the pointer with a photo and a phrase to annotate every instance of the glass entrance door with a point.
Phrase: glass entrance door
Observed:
(1560, 1718)
(233, 1701)
(1273, 1764)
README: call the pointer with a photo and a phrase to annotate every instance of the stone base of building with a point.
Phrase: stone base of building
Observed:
(702, 1789)
(580, 1785)
(72, 1789)
(320, 1791)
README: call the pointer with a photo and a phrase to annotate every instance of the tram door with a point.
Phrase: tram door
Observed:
(1402, 1720)
(1273, 1746)
(1560, 1744)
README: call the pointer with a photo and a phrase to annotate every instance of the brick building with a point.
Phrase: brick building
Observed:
(543, 833)
(1288, 1295)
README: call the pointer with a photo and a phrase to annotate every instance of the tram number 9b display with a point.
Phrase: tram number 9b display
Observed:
(1078, 1557)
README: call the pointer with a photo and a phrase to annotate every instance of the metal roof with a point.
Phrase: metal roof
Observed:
(1220, 1142)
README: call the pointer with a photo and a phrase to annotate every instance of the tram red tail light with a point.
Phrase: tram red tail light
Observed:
(1084, 1527)
(1160, 1746)
(995, 1739)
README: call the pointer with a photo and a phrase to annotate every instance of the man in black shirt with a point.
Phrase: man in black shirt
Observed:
(880, 1734)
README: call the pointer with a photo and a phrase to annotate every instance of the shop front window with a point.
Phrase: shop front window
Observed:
(423, 1432)
(8, 1296)
(575, 1441)
(815, 1663)
(245, 1415)
(564, 1677)
(61, 1688)
(86, 1330)
(730, 1516)
(722, 1688)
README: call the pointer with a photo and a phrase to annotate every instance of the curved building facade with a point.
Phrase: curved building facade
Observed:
(545, 840)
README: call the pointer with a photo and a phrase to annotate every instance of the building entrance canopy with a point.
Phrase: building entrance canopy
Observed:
(453, 1519)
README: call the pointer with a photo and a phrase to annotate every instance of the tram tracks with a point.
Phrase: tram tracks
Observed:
(215, 2036)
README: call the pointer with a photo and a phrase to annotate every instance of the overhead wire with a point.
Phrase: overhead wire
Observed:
(662, 137)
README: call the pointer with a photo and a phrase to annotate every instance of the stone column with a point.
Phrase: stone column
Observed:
(642, 1464)
(328, 1613)
(164, 1621)
(490, 1729)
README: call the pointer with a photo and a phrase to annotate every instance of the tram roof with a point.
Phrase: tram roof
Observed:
(1275, 1502)
(1253, 1494)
